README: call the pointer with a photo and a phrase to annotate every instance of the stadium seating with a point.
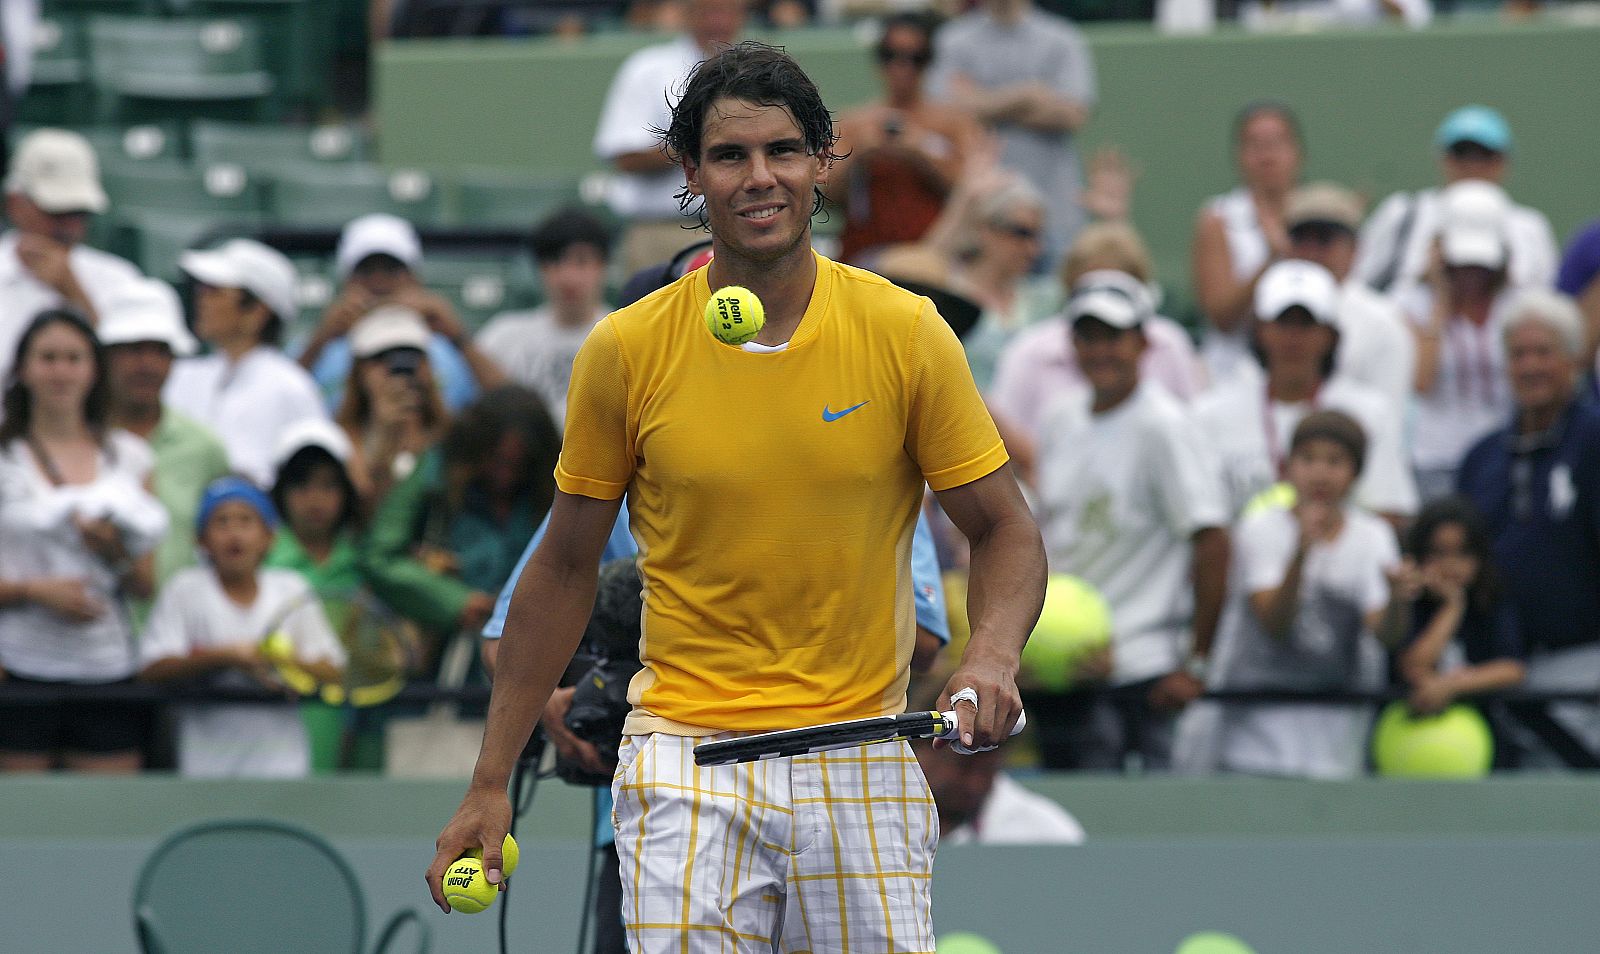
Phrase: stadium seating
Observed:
(273, 149)
(297, 42)
(333, 194)
(179, 68)
(264, 883)
(483, 284)
(489, 200)
(59, 90)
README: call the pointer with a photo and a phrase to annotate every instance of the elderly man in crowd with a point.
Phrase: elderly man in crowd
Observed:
(51, 191)
(143, 334)
(1537, 482)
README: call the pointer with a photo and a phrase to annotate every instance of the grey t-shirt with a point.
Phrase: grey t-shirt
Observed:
(1039, 48)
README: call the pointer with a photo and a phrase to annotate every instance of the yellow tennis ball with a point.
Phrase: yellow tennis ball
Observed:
(1074, 622)
(735, 315)
(466, 888)
(278, 647)
(510, 855)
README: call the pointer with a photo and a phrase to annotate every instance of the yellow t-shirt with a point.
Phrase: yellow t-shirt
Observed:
(773, 496)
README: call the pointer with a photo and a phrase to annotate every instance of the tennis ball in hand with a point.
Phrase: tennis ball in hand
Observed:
(466, 888)
(735, 315)
(278, 647)
(510, 854)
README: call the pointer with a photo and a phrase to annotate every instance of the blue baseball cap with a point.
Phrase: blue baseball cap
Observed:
(227, 489)
(1475, 124)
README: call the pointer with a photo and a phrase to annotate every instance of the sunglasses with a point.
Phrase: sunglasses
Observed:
(919, 59)
(1016, 231)
(1319, 233)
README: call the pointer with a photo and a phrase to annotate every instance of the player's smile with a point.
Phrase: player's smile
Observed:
(757, 175)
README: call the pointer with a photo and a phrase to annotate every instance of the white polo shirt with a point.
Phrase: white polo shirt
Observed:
(1251, 438)
(636, 106)
(1121, 495)
(103, 277)
(247, 403)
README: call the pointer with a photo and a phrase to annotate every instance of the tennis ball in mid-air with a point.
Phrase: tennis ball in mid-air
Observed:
(466, 888)
(510, 854)
(965, 942)
(1456, 743)
(735, 315)
(1075, 621)
(1213, 942)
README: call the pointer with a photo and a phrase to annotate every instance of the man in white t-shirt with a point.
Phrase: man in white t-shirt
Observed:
(979, 804)
(51, 191)
(536, 348)
(644, 191)
(246, 390)
(1131, 501)
(1376, 348)
(1248, 423)
(1474, 142)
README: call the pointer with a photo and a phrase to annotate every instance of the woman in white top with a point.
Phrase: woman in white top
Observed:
(79, 525)
(1457, 314)
(1241, 232)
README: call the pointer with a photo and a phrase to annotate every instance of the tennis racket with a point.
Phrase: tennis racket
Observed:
(381, 650)
(833, 735)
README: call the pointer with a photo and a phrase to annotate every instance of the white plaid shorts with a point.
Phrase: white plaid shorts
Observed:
(816, 854)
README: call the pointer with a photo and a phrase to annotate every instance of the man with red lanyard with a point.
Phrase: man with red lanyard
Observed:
(1249, 423)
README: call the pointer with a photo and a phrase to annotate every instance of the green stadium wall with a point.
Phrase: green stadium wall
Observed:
(1505, 864)
(1369, 102)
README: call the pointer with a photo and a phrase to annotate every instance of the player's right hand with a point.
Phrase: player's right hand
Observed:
(481, 822)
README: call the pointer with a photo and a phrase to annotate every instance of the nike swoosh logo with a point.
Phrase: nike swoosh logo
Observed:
(828, 415)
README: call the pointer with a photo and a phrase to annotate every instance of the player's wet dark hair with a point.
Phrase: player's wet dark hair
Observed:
(760, 74)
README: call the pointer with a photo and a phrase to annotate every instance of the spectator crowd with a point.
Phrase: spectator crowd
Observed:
(1370, 459)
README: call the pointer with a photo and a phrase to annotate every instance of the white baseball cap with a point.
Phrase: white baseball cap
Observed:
(377, 234)
(386, 328)
(312, 432)
(57, 169)
(1298, 284)
(261, 270)
(146, 310)
(1472, 223)
(1114, 297)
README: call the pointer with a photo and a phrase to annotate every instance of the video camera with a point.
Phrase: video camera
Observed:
(602, 669)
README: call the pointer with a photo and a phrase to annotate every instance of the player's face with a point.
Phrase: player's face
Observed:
(757, 179)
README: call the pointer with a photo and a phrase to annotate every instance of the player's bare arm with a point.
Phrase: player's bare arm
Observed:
(1004, 595)
(548, 612)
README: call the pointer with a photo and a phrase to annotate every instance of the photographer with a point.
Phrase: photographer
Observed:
(898, 156)
(393, 410)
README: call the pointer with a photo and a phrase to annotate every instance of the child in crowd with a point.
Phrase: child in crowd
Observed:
(213, 621)
(1308, 583)
(1462, 639)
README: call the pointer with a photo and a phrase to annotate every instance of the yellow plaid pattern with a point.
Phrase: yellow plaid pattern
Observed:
(818, 854)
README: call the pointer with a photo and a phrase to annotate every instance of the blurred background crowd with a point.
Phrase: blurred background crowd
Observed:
(263, 398)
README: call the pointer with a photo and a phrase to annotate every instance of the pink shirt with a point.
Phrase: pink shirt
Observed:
(1039, 365)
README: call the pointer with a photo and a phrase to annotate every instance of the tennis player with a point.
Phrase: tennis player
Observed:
(773, 489)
